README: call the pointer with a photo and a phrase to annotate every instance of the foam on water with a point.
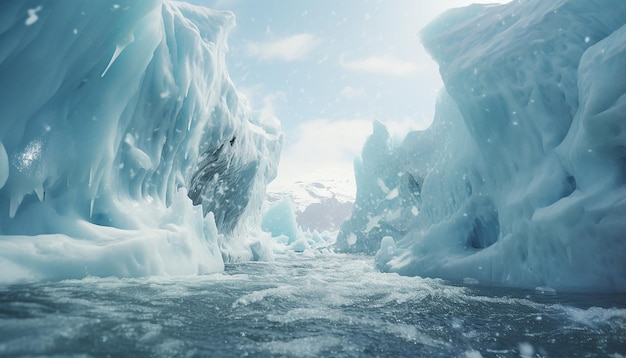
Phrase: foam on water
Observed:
(307, 304)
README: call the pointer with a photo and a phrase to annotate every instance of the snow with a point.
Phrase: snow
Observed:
(526, 350)
(32, 16)
(519, 181)
(125, 149)
(320, 205)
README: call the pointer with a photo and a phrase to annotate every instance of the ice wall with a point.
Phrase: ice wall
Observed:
(521, 179)
(116, 117)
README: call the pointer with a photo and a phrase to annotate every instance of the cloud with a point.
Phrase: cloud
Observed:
(269, 102)
(323, 150)
(384, 65)
(292, 48)
(351, 92)
(224, 3)
(399, 128)
(261, 98)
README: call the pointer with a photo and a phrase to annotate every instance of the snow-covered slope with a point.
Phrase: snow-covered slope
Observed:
(521, 179)
(115, 118)
(319, 205)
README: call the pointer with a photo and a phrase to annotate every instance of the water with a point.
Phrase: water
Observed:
(300, 305)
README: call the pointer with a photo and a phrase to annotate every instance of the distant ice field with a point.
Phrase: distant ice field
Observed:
(309, 304)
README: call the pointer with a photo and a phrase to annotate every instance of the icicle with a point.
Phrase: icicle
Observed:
(569, 254)
(91, 208)
(4, 165)
(118, 50)
(91, 175)
(14, 205)
(40, 192)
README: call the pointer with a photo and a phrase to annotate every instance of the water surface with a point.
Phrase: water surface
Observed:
(304, 305)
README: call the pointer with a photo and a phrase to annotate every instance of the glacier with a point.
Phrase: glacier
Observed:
(521, 178)
(125, 149)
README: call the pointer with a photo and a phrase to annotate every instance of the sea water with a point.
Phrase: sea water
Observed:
(302, 305)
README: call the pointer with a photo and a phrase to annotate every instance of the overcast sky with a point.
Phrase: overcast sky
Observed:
(327, 68)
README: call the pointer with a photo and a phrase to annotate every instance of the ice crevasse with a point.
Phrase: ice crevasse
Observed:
(124, 148)
(521, 178)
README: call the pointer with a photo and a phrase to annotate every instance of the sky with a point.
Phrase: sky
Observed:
(327, 69)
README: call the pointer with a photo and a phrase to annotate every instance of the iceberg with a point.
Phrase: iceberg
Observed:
(279, 219)
(521, 178)
(124, 147)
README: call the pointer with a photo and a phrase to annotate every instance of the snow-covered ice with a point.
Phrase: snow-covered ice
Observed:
(319, 205)
(116, 117)
(520, 180)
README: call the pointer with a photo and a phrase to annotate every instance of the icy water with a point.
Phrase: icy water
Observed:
(329, 306)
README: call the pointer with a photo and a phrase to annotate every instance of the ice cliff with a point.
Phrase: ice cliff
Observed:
(521, 178)
(124, 147)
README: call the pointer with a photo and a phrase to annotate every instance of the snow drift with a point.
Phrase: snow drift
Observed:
(521, 179)
(124, 147)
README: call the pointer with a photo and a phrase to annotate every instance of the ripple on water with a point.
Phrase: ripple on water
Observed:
(309, 305)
